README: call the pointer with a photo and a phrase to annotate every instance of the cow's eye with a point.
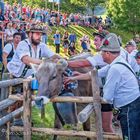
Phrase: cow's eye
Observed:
(53, 77)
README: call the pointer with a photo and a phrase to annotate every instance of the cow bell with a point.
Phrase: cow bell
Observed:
(34, 84)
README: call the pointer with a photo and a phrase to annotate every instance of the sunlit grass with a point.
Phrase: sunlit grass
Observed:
(78, 30)
(49, 116)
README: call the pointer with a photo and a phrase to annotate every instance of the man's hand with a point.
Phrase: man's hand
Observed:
(68, 80)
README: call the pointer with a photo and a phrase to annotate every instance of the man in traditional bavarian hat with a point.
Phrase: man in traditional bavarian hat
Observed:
(30, 50)
(98, 62)
(121, 88)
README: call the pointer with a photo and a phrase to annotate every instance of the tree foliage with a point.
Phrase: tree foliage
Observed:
(125, 14)
(87, 3)
(69, 6)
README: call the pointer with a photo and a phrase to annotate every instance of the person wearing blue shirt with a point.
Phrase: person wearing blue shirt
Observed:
(72, 38)
(57, 38)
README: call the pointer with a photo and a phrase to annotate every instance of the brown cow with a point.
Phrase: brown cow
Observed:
(49, 76)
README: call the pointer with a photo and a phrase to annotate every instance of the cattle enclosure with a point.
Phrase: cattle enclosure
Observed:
(28, 98)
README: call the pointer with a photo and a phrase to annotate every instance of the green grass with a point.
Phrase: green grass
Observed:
(49, 116)
(47, 122)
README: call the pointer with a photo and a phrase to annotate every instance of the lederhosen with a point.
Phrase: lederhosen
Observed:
(104, 107)
(27, 67)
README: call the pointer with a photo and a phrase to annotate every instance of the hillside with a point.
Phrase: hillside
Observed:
(80, 31)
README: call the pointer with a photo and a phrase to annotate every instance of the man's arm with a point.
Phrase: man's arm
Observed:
(27, 60)
(5, 52)
(103, 71)
(82, 76)
(111, 85)
(79, 63)
(4, 58)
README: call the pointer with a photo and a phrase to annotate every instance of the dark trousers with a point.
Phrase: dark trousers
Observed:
(129, 117)
(0, 50)
(57, 48)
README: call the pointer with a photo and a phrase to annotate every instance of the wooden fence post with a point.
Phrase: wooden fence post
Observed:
(43, 112)
(27, 109)
(97, 104)
(8, 123)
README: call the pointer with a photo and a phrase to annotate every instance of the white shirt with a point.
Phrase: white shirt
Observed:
(8, 48)
(97, 60)
(133, 53)
(130, 59)
(121, 86)
(16, 66)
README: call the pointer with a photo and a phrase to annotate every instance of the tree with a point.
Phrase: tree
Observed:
(125, 14)
(88, 3)
(69, 7)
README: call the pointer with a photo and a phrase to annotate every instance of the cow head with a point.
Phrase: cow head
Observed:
(49, 76)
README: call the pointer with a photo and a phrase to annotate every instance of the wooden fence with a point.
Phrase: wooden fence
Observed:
(28, 98)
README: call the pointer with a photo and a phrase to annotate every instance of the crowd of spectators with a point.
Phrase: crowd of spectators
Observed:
(27, 14)
(14, 19)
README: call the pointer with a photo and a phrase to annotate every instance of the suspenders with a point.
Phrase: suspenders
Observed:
(10, 55)
(27, 66)
(127, 67)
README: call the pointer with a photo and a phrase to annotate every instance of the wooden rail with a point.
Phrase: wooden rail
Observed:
(75, 99)
(27, 98)
(69, 133)
(11, 82)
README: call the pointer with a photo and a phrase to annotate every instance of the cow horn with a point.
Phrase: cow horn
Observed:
(62, 62)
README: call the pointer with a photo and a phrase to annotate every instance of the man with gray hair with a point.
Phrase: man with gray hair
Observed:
(121, 88)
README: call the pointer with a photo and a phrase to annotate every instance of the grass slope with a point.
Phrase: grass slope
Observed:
(78, 30)
(81, 31)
